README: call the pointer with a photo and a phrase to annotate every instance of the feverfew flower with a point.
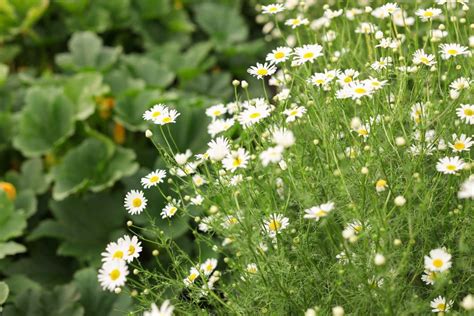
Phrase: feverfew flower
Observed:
(382, 63)
(273, 8)
(182, 158)
(153, 178)
(262, 70)
(438, 260)
(115, 251)
(132, 246)
(169, 210)
(236, 159)
(275, 224)
(193, 275)
(253, 114)
(467, 189)
(218, 148)
(168, 117)
(208, 266)
(113, 274)
(461, 143)
(428, 14)
(279, 55)
(135, 202)
(420, 57)
(466, 112)
(155, 113)
(440, 305)
(219, 126)
(381, 185)
(451, 50)
(294, 112)
(294, 23)
(450, 165)
(319, 211)
(166, 309)
(216, 110)
(429, 277)
(307, 53)
(271, 155)
(283, 137)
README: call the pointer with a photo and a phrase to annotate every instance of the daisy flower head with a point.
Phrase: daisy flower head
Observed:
(271, 155)
(216, 110)
(375, 83)
(220, 125)
(273, 8)
(169, 210)
(208, 266)
(135, 202)
(251, 268)
(386, 10)
(283, 137)
(440, 305)
(236, 159)
(450, 165)
(429, 277)
(153, 178)
(275, 224)
(298, 21)
(358, 89)
(467, 189)
(294, 112)
(382, 63)
(466, 113)
(347, 76)
(218, 148)
(168, 117)
(319, 79)
(461, 143)
(438, 260)
(428, 14)
(279, 55)
(113, 274)
(319, 211)
(198, 180)
(155, 113)
(420, 57)
(307, 53)
(381, 185)
(460, 84)
(253, 114)
(115, 251)
(193, 275)
(451, 50)
(132, 246)
(166, 309)
(366, 28)
(262, 70)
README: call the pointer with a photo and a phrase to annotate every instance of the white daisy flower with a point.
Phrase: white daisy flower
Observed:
(208, 266)
(133, 246)
(319, 79)
(420, 57)
(467, 189)
(283, 137)
(294, 23)
(440, 305)
(197, 200)
(153, 178)
(273, 8)
(366, 28)
(166, 309)
(115, 251)
(461, 83)
(169, 210)
(113, 274)
(358, 89)
(275, 224)
(347, 76)
(429, 277)
(236, 180)
(182, 158)
(375, 83)
(294, 112)
(466, 112)
(271, 155)
(450, 50)
(218, 126)
(279, 55)
(428, 14)
(307, 53)
(193, 275)
(135, 202)
(236, 159)
(218, 148)
(251, 268)
(461, 143)
(198, 180)
(382, 63)
(319, 211)
(450, 165)
(438, 260)
(253, 114)
(216, 110)
(262, 70)
(155, 113)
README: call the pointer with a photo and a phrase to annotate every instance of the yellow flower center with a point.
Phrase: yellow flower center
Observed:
(321, 213)
(272, 9)
(441, 306)
(381, 183)
(363, 132)
(262, 72)
(279, 55)
(360, 90)
(424, 60)
(167, 119)
(451, 168)
(295, 22)
(255, 115)
(274, 225)
(438, 263)
(209, 267)
(468, 112)
(358, 228)
(375, 83)
(118, 254)
(217, 112)
(428, 14)
(172, 210)
(320, 81)
(156, 114)
(154, 179)
(459, 145)
(308, 55)
(192, 277)
(348, 79)
(114, 274)
(452, 51)
(137, 202)
(131, 250)
(293, 113)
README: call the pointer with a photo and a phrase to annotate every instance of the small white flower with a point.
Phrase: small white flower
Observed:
(262, 70)
(319, 211)
(440, 305)
(279, 55)
(428, 14)
(193, 275)
(467, 189)
(113, 274)
(307, 53)
(135, 202)
(208, 266)
(271, 155)
(420, 57)
(236, 159)
(294, 23)
(283, 137)
(275, 224)
(218, 148)
(166, 309)
(273, 8)
(450, 50)
(132, 246)
(216, 110)
(169, 210)
(466, 112)
(450, 165)
(438, 260)
(294, 112)
(153, 178)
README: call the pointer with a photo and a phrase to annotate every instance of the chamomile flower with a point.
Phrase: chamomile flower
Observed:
(461, 143)
(381, 185)
(115, 251)
(318, 79)
(132, 246)
(319, 211)
(253, 114)
(418, 112)
(363, 130)
(182, 158)
(208, 266)
(366, 28)
(375, 83)
(236, 159)
(438, 260)
(466, 112)
(166, 309)
(358, 89)
(216, 110)
(193, 275)
(283, 137)
(251, 268)
(298, 21)
(262, 70)
(271, 155)
(467, 189)
(218, 148)
(347, 76)
(219, 126)
(155, 113)
(135, 202)
(273, 8)
(451, 50)
(429, 277)
(198, 180)
(279, 55)
(294, 112)
(307, 53)
(382, 63)
(168, 117)
(169, 210)
(428, 14)
(275, 224)
(450, 165)
(461, 83)
(420, 57)
(197, 200)
(440, 305)
(113, 274)
(153, 178)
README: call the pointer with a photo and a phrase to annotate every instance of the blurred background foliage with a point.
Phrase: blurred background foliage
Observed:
(75, 78)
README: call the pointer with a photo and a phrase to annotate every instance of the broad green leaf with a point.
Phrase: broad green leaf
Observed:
(12, 222)
(121, 81)
(155, 74)
(33, 177)
(150, 9)
(82, 89)
(87, 53)
(95, 300)
(26, 201)
(6, 207)
(84, 225)
(222, 23)
(131, 106)
(4, 290)
(10, 248)
(46, 121)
